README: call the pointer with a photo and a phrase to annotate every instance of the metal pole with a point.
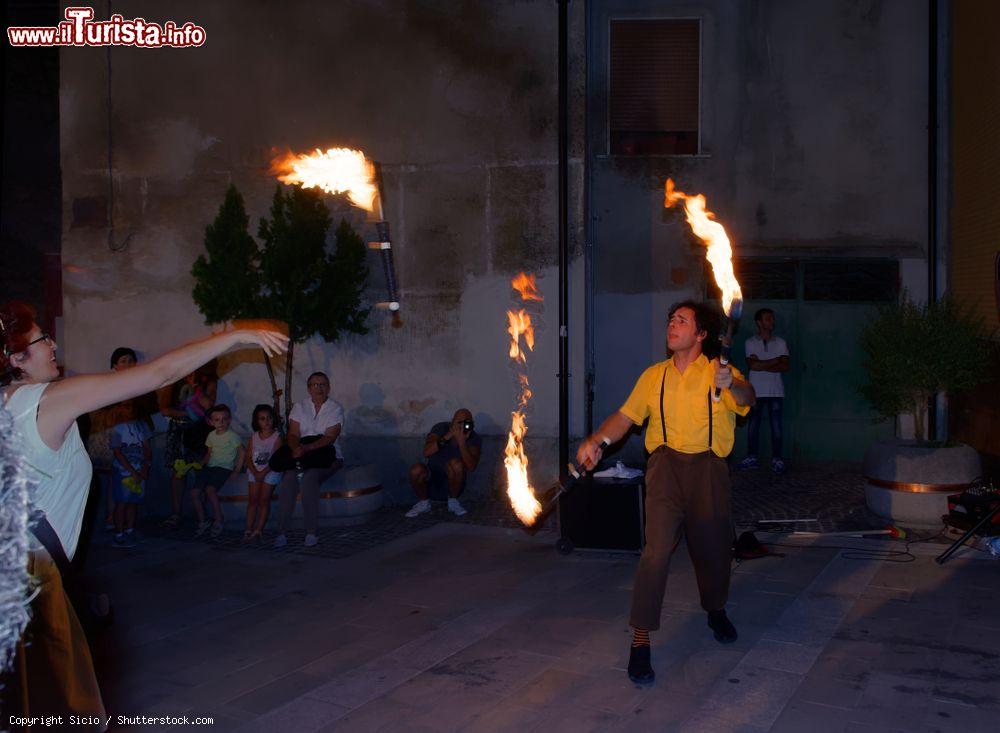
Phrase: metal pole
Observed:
(563, 234)
(932, 187)
(940, 559)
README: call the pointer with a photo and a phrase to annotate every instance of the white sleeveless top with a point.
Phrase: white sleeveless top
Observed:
(61, 477)
(263, 449)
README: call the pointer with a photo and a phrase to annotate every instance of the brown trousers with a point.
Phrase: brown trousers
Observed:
(54, 663)
(288, 491)
(686, 494)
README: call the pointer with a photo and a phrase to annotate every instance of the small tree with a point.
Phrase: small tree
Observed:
(227, 278)
(313, 291)
(912, 352)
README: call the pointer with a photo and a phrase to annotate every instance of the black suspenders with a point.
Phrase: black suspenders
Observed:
(710, 418)
(663, 419)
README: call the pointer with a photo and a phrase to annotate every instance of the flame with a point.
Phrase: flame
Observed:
(522, 400)
(338, 170)
(520, 324)
(713, 234)
(525, 285)
(519, 490)
(522, 496)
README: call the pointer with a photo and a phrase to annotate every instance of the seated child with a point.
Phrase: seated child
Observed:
(224, 456)
(261, 480)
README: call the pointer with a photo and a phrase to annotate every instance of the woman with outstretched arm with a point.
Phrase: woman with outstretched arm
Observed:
(58, 667)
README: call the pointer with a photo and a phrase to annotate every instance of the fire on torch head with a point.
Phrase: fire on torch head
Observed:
(719, 253)
(735, 309)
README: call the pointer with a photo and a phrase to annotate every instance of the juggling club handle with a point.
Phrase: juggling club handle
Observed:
(733, 314)
(577, 473)
(724, 361)
(388, 266)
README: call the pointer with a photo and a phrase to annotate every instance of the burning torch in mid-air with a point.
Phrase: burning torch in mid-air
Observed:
(342, 170)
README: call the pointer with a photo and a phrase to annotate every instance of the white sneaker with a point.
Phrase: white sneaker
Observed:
(455, 508)
(311, 540)
(421, 507)
(202, 528)
(280, 541)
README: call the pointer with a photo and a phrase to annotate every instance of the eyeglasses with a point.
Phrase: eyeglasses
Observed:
(44, 337)
(317, 384)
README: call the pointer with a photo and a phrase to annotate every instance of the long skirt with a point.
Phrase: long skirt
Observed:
(54, 666)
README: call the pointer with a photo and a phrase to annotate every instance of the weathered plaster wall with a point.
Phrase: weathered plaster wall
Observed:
(813, 128)
(457, 100)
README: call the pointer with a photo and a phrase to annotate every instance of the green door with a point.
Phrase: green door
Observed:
(833, 420)
(825, 416)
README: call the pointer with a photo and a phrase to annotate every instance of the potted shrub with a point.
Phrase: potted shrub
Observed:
(912, 352)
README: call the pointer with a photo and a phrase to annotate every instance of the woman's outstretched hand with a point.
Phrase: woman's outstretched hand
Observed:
(267, 337)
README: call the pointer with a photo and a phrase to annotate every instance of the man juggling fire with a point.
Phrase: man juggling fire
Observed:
(688, 437)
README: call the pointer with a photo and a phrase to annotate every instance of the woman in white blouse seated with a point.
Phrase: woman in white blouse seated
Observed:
(314, 424)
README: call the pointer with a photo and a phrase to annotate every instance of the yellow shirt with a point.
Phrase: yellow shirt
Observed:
(686, 408)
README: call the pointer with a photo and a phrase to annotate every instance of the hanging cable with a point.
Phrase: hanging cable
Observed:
(859, 553)
(112, 245)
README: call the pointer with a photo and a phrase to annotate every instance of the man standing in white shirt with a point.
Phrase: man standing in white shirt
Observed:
(767, 360)
(313, 424)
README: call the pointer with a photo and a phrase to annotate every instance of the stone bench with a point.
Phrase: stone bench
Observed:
(348, 497)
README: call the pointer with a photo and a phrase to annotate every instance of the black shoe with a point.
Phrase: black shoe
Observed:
(640, 670)
(725, 632)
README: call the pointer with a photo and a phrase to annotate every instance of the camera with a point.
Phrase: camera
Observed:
(467, 425)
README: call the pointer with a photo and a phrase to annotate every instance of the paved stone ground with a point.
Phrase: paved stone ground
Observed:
(465, 627)
(452, 625)
(833, 494)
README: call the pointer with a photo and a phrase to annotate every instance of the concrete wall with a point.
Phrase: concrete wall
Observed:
(813, 142)
(457, 100)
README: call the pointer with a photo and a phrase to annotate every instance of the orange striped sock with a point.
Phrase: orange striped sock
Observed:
(640, 637)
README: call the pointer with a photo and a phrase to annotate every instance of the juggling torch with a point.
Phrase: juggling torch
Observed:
(733, 322)
(342, 170)
(384, 246)
(563, 485)
(719, 253)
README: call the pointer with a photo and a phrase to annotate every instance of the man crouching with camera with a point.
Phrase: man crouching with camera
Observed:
(451, 451)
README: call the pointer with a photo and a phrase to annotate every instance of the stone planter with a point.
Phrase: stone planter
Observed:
(908, 482)
(351, 496)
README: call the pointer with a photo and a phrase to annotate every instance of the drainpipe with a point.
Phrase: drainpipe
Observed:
(588, 247)
(932, 184)
(938, 168)
(563, 237)
(932, 152)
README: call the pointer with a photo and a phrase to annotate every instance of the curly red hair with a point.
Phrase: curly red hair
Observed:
(16, 321)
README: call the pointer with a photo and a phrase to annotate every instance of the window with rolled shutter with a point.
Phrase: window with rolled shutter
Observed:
(654, 87)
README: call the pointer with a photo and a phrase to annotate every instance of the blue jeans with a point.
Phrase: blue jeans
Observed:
(773, 405)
